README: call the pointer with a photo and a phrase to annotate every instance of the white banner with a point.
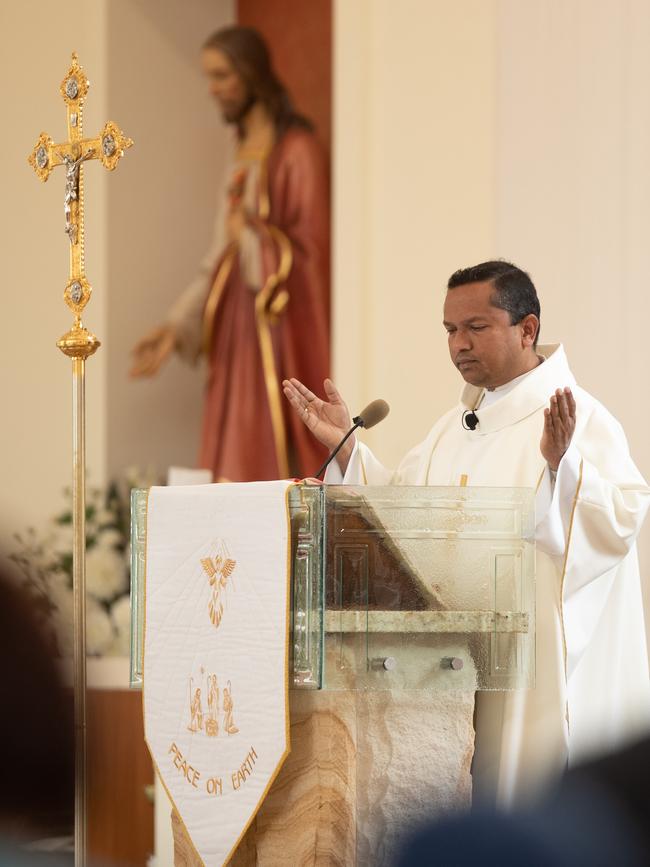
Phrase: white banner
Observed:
(215, 692)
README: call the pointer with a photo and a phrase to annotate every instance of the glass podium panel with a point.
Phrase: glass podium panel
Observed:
(399, 588)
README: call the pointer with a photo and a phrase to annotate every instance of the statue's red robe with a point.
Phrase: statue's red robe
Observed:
(256, 338)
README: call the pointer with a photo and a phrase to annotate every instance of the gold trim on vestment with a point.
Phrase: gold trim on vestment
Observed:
(211, 305)
(564, 567)
(363, 468)
(268, 308)
(267, 311)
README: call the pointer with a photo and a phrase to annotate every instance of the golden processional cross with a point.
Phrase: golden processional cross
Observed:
(78, 344)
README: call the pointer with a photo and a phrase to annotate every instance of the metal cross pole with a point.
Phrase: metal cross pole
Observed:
(78, 344)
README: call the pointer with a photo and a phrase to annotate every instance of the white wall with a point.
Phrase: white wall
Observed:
(496, 128)
(414, 93)
(573, 190)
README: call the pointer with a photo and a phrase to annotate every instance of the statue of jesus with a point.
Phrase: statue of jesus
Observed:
(259, 306)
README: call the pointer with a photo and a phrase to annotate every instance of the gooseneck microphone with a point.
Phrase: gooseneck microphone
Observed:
(469, 419)
(375, 412)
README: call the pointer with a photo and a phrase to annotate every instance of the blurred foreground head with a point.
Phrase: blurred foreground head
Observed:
(36, 723)
(599, 816)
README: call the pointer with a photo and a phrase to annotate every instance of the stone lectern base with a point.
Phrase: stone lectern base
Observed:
(364, 768)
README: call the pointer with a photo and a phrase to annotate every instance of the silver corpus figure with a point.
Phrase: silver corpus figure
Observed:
(72, 190)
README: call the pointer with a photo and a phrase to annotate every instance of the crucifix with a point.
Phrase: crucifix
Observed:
(78, 344)
(108, 147)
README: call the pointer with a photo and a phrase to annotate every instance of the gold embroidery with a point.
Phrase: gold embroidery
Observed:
(180, 762)
(211, 721)
(196, 711)
(242, 773)
(564, 568)
(218, 572)
(228, 706)
(463, 480)
(208, 722)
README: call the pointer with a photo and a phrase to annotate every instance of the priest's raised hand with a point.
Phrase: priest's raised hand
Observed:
(328, 420)
(559, 426)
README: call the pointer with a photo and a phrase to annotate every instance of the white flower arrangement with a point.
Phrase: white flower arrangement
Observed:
(46, 565)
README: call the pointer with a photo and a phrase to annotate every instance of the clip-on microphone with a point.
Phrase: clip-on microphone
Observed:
(469, 419)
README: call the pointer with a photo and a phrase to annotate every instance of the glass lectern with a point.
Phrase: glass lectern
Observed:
(405, 601)
(399, 588)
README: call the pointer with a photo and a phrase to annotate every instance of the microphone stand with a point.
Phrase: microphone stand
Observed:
(358, 422)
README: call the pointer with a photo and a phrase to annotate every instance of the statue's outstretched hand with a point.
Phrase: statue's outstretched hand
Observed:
(559, 427)
(328, 420)
(150, 353)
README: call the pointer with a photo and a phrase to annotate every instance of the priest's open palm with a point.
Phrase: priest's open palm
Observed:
(559, 427)
(328, 420)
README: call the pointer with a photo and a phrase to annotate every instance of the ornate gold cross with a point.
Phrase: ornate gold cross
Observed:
(78, 343)
(108, 147)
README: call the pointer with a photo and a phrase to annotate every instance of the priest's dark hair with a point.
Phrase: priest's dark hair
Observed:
(249, 54)
(514, 291)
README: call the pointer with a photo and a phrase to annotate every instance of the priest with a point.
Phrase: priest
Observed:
(523, 420)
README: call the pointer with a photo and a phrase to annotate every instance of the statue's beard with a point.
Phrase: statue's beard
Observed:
(235, 114)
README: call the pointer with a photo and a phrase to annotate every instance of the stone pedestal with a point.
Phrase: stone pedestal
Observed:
(363, 768)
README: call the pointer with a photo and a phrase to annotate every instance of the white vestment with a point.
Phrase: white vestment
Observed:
(592, 690)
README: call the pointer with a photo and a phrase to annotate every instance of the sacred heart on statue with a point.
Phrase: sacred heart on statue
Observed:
(216, 653)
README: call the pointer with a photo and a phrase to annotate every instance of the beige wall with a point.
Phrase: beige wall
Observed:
(414, 142)
(36, 392)
(494, 128)
(573, 190)
(146, 226)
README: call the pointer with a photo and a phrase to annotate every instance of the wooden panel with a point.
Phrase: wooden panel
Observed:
(120, 816)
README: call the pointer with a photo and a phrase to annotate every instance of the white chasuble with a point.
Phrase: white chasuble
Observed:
(592, 691)
(215, 691)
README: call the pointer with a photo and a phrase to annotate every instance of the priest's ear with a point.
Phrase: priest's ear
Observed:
(529, 330)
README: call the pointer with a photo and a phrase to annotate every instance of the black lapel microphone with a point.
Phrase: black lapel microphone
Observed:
(368, 417)
(469, 419)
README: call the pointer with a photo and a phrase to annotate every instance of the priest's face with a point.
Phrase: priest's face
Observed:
(226, 85)
(483, 344)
